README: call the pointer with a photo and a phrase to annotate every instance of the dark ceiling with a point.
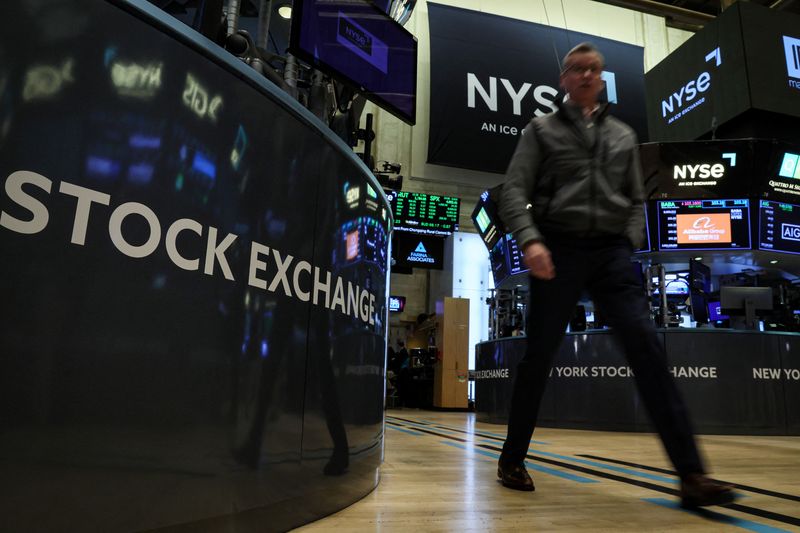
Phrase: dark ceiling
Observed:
(693, 14)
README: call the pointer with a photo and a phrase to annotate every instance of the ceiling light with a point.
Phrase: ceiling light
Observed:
(698, 258)
(773, 261)
(285, 11)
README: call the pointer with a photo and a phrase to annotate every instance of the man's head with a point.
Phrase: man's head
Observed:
(580, 74)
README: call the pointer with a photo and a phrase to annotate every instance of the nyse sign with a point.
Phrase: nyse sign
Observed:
(484, 93)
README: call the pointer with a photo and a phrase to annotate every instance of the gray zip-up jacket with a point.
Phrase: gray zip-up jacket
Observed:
(579, 183)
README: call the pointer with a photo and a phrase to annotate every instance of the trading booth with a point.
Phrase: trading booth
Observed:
(719, 266)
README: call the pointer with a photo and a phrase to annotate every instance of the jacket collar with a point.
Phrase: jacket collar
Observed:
(573, 113)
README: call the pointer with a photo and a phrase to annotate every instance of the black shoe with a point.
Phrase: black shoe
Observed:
(698, 490)
(514, 476)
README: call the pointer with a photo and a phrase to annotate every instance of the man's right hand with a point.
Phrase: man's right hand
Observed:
(537, 258)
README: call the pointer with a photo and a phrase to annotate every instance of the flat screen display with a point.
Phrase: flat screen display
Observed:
(358, 43)
(515, 262)
(419, 251)
(779, 227)
(715, 312)
(486, 220)
(701, 84)
(772, 45)
(698, 169)
(703, 224)
(397, 304)
(425, 213)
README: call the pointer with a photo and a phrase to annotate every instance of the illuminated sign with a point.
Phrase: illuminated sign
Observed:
(704, 228)
(789, 166)
(791, 48)
(703, 224)
(779, 227)
(688, 92)
(425, 213)
(196, 98)
(397, 304)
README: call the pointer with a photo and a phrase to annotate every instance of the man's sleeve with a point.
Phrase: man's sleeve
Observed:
(636, 224)
(519, 186)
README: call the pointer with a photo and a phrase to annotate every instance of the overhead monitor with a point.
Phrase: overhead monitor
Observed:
(486, 218)
(425, 213)
(701, 84)
(358, 43)
(397, 304)
(781, 178)
(418, 251)
(515, 261)
(779, 227)
(772, 48)
(703, 224)
(698, 169)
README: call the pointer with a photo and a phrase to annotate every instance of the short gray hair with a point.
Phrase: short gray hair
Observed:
(582, 48)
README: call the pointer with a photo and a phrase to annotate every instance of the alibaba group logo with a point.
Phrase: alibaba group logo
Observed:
(703, 223)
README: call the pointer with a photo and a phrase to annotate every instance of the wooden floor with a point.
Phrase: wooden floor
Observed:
(439, 474)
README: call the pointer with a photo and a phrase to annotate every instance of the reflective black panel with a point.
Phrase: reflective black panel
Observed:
(165, 355)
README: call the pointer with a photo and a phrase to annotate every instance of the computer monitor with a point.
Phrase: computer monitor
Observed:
(358, 43)
(715, 312)
(747, 301)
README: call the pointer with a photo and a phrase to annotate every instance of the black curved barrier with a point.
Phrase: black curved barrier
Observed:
(194, 280)
(734, 382)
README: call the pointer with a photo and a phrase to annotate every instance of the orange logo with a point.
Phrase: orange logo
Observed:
(706, 228)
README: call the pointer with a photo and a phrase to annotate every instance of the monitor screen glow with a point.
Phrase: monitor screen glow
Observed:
(358, 43)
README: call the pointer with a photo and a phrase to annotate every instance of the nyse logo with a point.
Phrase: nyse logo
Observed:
(791, 47)
(698, 171)
(543, 95)
(703, 170)
(790, 232)
(682, 101)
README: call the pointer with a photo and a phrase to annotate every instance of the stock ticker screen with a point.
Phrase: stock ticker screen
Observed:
(703, 224)
(779, 227)
(425, 213)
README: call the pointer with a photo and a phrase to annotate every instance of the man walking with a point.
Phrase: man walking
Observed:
(579, 170)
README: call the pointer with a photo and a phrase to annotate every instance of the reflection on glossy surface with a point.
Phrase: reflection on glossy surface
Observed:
(45, 81)
(181, 310)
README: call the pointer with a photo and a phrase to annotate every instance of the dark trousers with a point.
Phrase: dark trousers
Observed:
(603, 267)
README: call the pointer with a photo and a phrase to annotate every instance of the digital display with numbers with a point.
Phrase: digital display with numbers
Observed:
(703, 224)
(779, 227)
(425, 213)
(515, 262)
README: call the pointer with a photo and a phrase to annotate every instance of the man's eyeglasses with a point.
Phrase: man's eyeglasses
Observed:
(594, 70)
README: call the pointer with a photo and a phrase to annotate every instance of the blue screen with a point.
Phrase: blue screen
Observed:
(360, 44)
(714, 312)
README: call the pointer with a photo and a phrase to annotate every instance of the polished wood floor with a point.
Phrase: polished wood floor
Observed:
(439, 474)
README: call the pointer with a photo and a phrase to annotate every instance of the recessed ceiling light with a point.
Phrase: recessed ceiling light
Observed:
(285, 11)
(773, 261)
